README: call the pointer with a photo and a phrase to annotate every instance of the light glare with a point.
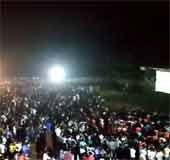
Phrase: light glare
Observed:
(57, 74)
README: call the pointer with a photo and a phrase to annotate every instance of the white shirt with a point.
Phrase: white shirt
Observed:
(58, 132)
(19, 146)
(74, 98)
(101, 137)
(33, 111)
(4, 118)
(77, 97)
(143, 154)
(151, 155)
(82, 128)
(14, 130)
(46, 156)
(82, 150)
(102, 122)
(4, 140)
(159, 155)
(2, 148)
(61, 154)
(167, 152)
(16, 157)
(132, 153)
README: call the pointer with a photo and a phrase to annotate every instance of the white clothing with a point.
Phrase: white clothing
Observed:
(159, 155)
(101, 137)
(33, 111)
(58, 132)
(61, 154)
(132, 153)
(46, 157)
(14, 130)
(82, 151)
(19, 146)
(167, 152)
(2, 148)
(143, 154)
(16, 157)
(74, 98)
(151, 155)
(4, 118)
(4, 140)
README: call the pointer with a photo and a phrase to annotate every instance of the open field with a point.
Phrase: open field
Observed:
(149, 101)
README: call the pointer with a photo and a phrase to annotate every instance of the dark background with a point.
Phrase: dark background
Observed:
(84, 37)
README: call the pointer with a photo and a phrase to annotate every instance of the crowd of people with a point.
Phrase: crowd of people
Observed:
(75, 123)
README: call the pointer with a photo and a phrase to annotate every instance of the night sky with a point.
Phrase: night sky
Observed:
(84, 37)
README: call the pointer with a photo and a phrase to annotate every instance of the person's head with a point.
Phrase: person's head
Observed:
(158, 149)
(90, 153)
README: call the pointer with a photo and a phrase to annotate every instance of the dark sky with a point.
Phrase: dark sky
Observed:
(83, 36)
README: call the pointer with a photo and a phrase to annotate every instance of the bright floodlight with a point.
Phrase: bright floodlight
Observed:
(56, 74)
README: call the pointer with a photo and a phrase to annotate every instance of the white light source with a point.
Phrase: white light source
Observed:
(56, 74)
(143, 68)
(162, 81)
